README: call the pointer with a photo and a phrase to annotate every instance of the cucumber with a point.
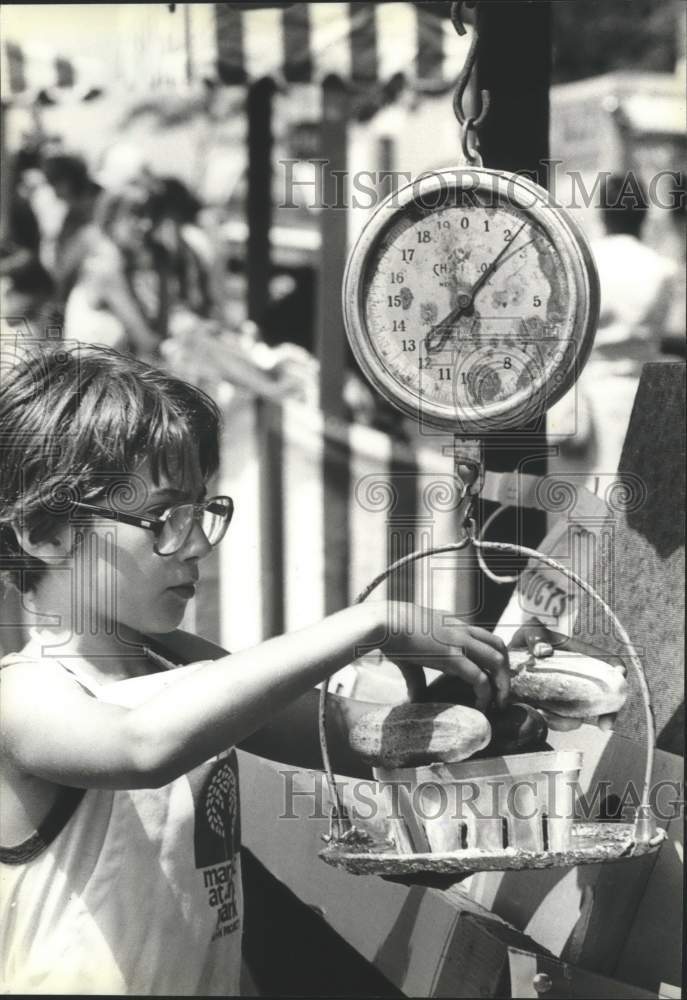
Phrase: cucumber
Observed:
(412, 735)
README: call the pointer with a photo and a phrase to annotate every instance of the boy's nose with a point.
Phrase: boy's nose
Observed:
(196, 545)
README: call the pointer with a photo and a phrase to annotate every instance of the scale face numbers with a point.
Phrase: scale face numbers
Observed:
(470, 301)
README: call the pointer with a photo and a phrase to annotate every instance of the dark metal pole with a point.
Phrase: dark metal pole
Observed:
(514, 65)
(330, 336)
(6, 175)
(331, 343)
(258, 268)
(259, 202)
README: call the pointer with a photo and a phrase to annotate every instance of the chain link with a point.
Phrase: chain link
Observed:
(469, 143)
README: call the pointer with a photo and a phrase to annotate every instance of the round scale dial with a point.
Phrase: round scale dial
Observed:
(471, 301)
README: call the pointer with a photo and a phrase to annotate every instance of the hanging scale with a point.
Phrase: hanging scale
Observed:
(470, 301)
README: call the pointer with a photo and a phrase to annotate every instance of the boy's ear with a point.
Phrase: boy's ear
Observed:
(54, 547)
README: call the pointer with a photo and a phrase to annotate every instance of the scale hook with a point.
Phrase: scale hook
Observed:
(466, 71)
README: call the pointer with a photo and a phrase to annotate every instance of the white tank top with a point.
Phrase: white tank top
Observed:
(128, 892)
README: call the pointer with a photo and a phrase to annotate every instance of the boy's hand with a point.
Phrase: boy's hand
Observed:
(416, 637)
(541, 643)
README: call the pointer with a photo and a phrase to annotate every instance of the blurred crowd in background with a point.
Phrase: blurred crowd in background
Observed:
(642, 319)
(130, 259)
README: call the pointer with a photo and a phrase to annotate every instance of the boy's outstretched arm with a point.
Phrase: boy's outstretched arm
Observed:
(289, 730)
(292, 735)
(61, 735)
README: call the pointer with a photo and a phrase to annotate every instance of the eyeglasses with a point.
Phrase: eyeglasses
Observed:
(173, 528)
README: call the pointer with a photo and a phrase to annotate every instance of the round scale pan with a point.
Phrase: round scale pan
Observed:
(590, 844)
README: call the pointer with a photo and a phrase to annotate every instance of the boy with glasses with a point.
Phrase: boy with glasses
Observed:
(120, 809)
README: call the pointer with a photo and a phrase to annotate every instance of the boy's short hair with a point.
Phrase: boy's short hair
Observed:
(73, 422)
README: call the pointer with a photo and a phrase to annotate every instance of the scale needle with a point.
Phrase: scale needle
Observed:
(442, 330)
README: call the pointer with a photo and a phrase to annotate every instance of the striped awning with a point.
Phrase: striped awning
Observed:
(366, 45)
(33, 73)
(362, 43)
